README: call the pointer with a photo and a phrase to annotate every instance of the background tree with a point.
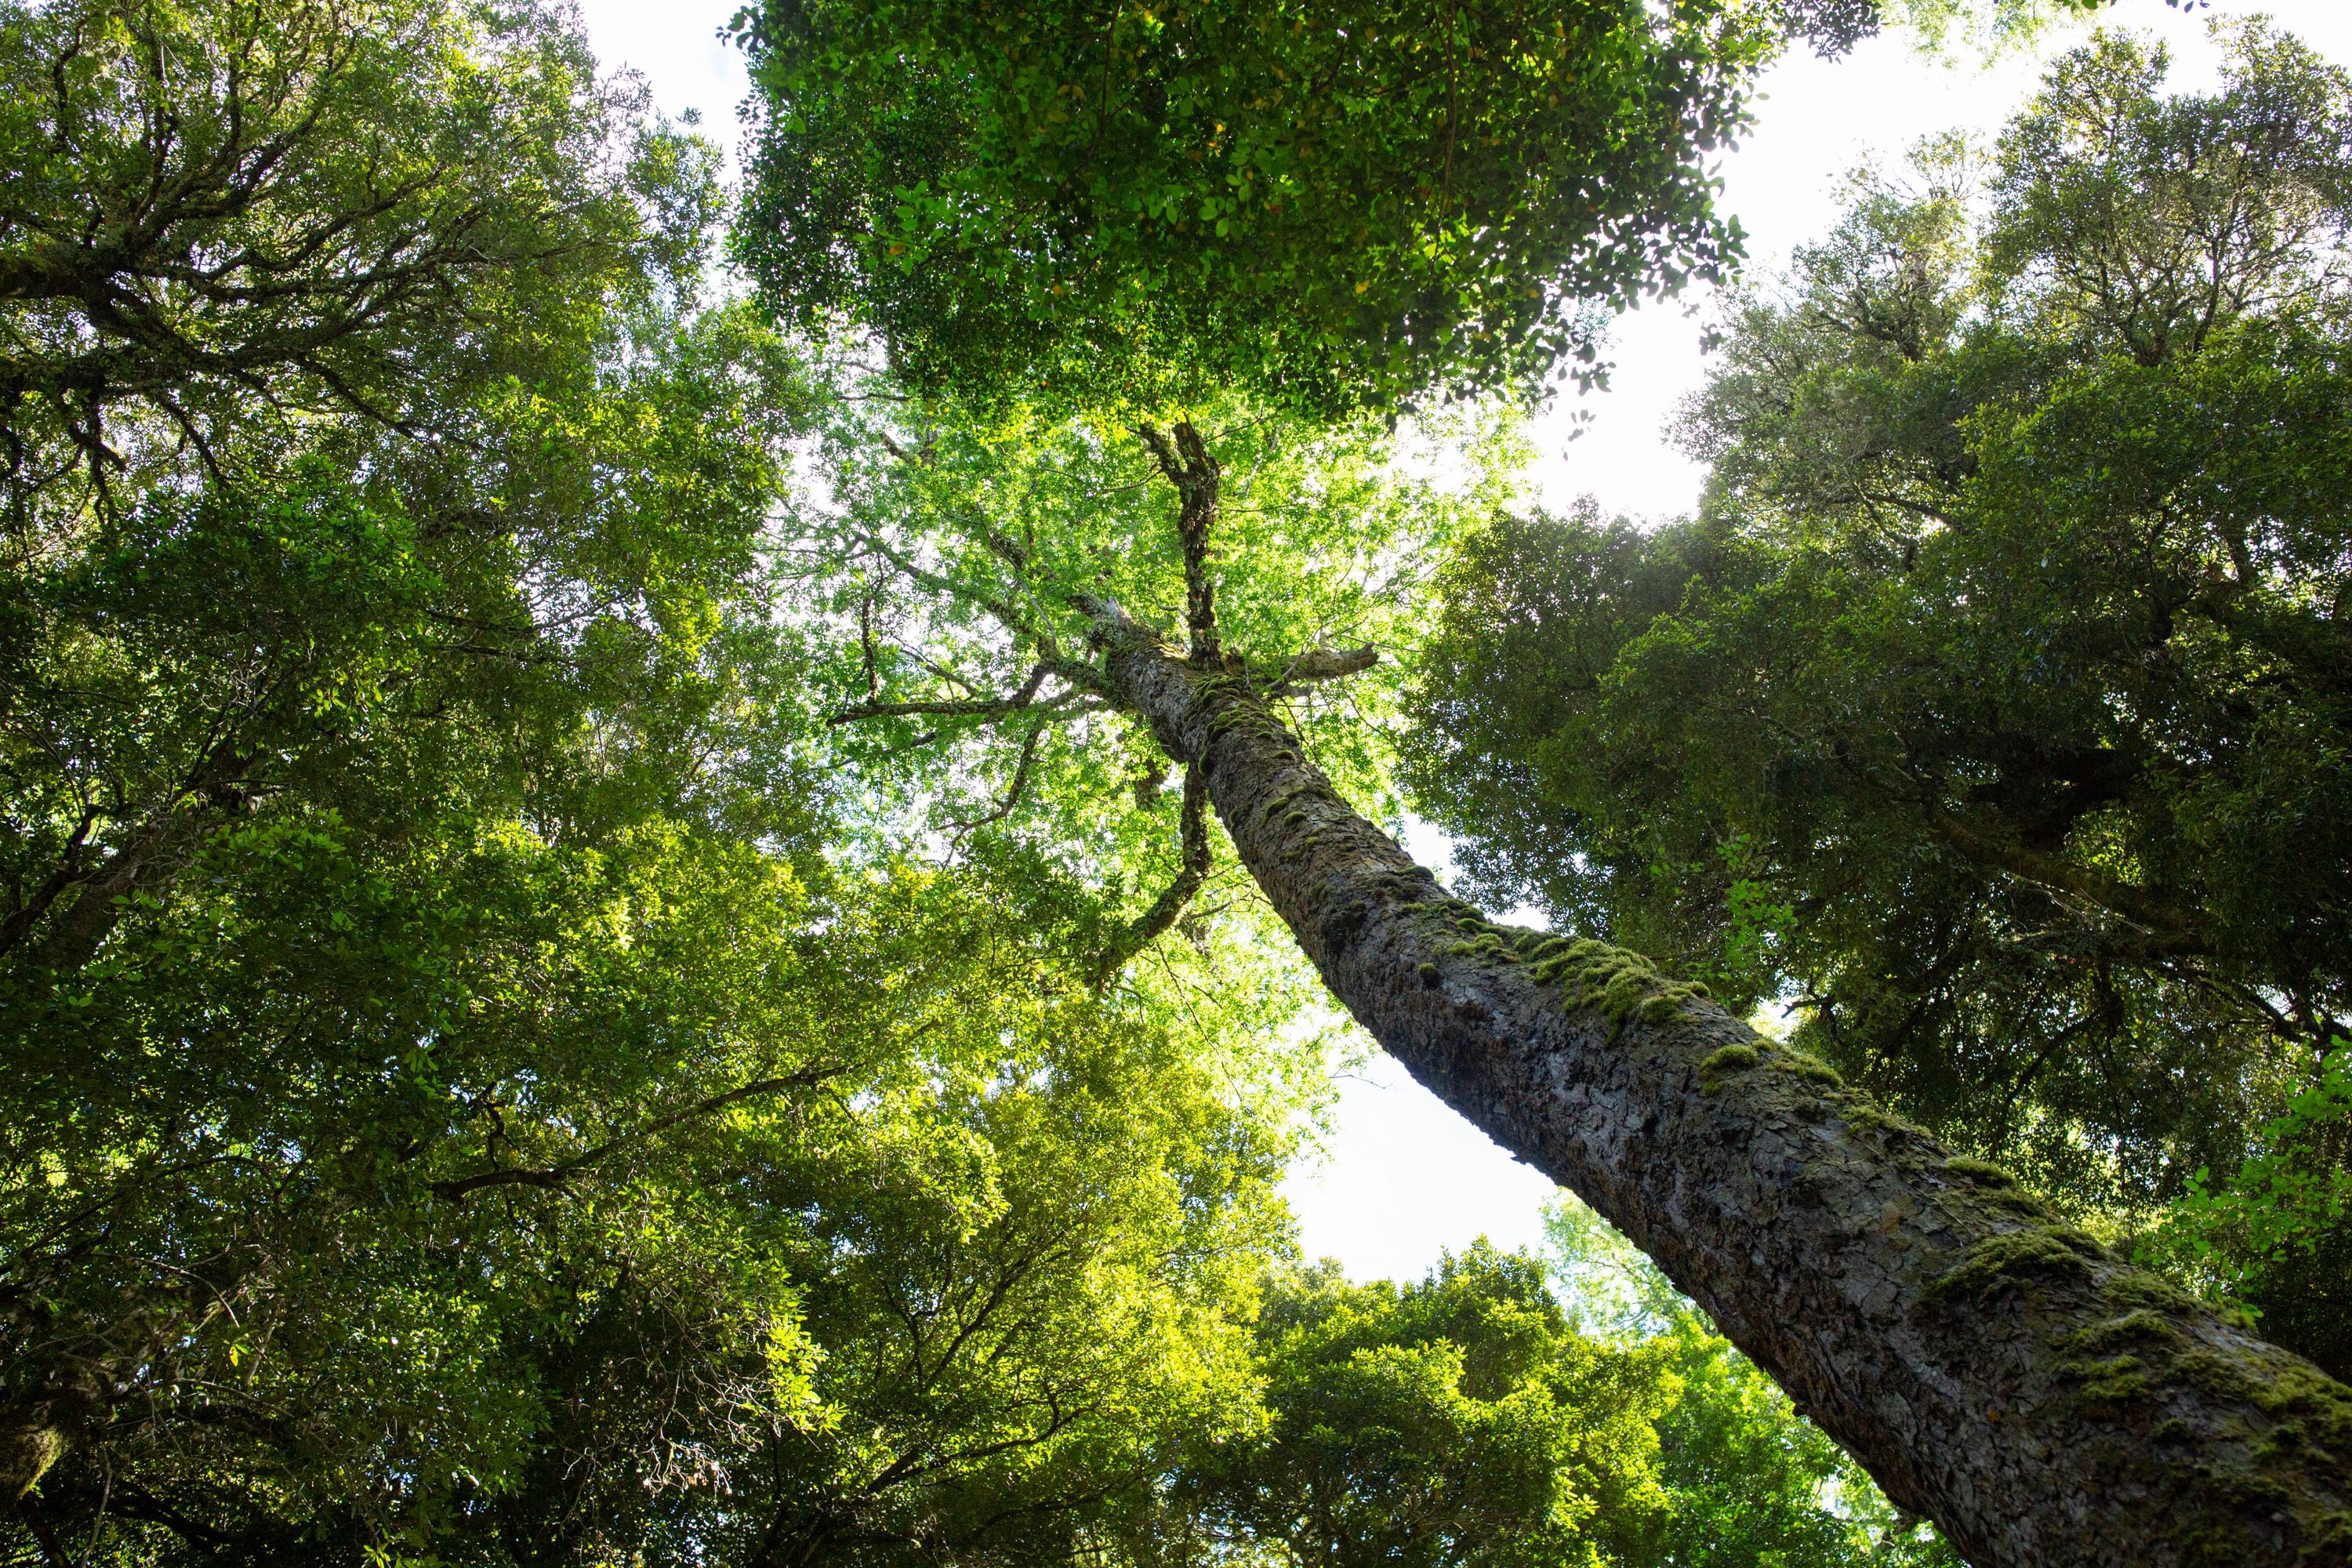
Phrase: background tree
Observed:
(1992, 708)
(504, 1216)
(1472, 1418)
(454, 1110)
(1459, 1421)
(372, 421)
(222, 226)
(1327, 206)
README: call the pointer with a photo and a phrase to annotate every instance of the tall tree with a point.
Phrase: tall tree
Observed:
(1995, 704)
(1901, 1293)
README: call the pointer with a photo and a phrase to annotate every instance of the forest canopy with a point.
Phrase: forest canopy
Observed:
(604, 957)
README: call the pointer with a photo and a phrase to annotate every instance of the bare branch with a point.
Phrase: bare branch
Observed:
(990, 708)
(1020, 785)
(1149, 925)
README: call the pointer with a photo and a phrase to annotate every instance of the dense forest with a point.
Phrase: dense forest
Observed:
(680, 849)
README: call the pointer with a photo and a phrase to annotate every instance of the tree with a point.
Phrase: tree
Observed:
(281, 509)
(492, 1209)
(503, 1105)
(1893, 1288)
(1333, 208)
(1472, 1418)
(1896, 1289)
(1993, 707)
(1459, 1421)
(223, 227)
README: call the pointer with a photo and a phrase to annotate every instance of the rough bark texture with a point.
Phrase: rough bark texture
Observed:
(2004, 1375)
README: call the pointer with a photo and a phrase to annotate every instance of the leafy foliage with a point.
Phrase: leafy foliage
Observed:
(1473, 1419)
(1745, 1478)
(488, 1204)
(1457, 1421)
(1992, 708)
(1327, 206)
(942, 569)
(2275, 1236)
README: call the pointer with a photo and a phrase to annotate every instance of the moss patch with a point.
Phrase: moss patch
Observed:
(1806, 1066)
(1289, 797)
(1721, 1063)
(2014, 1257)
(2110, 1381)
(2141, 1289)
(1618, 983)
(1731, 1058)
(2018, 1201)
(2141, 1328)
(1983, 1173)
(1866, 1113)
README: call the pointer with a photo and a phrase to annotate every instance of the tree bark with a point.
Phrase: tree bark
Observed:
(2006, 1375)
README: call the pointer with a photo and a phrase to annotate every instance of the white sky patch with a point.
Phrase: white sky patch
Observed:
(1817, 120)
(1402, 1177)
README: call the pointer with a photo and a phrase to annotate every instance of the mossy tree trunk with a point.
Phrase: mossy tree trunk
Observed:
(2042, 1400)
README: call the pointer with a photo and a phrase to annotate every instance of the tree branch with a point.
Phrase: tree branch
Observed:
(1148, 926)
(1189, 468)
(1320, 664)
(560, 1176)
(2172, 932)
(1020, 785)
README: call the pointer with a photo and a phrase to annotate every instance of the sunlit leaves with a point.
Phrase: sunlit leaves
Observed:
(1332, 208)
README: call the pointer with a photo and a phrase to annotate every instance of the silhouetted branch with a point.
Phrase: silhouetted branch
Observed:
(560, 1176)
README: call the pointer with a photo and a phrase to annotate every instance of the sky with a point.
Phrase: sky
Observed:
(1402, 1179)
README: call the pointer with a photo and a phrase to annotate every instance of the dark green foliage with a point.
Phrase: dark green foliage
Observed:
(1327, 205)
(1993, 709)
(222, 226)
(2297, 1297)
(2273, 1236)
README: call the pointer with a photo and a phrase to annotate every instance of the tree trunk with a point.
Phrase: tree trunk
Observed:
(2043, 1401)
